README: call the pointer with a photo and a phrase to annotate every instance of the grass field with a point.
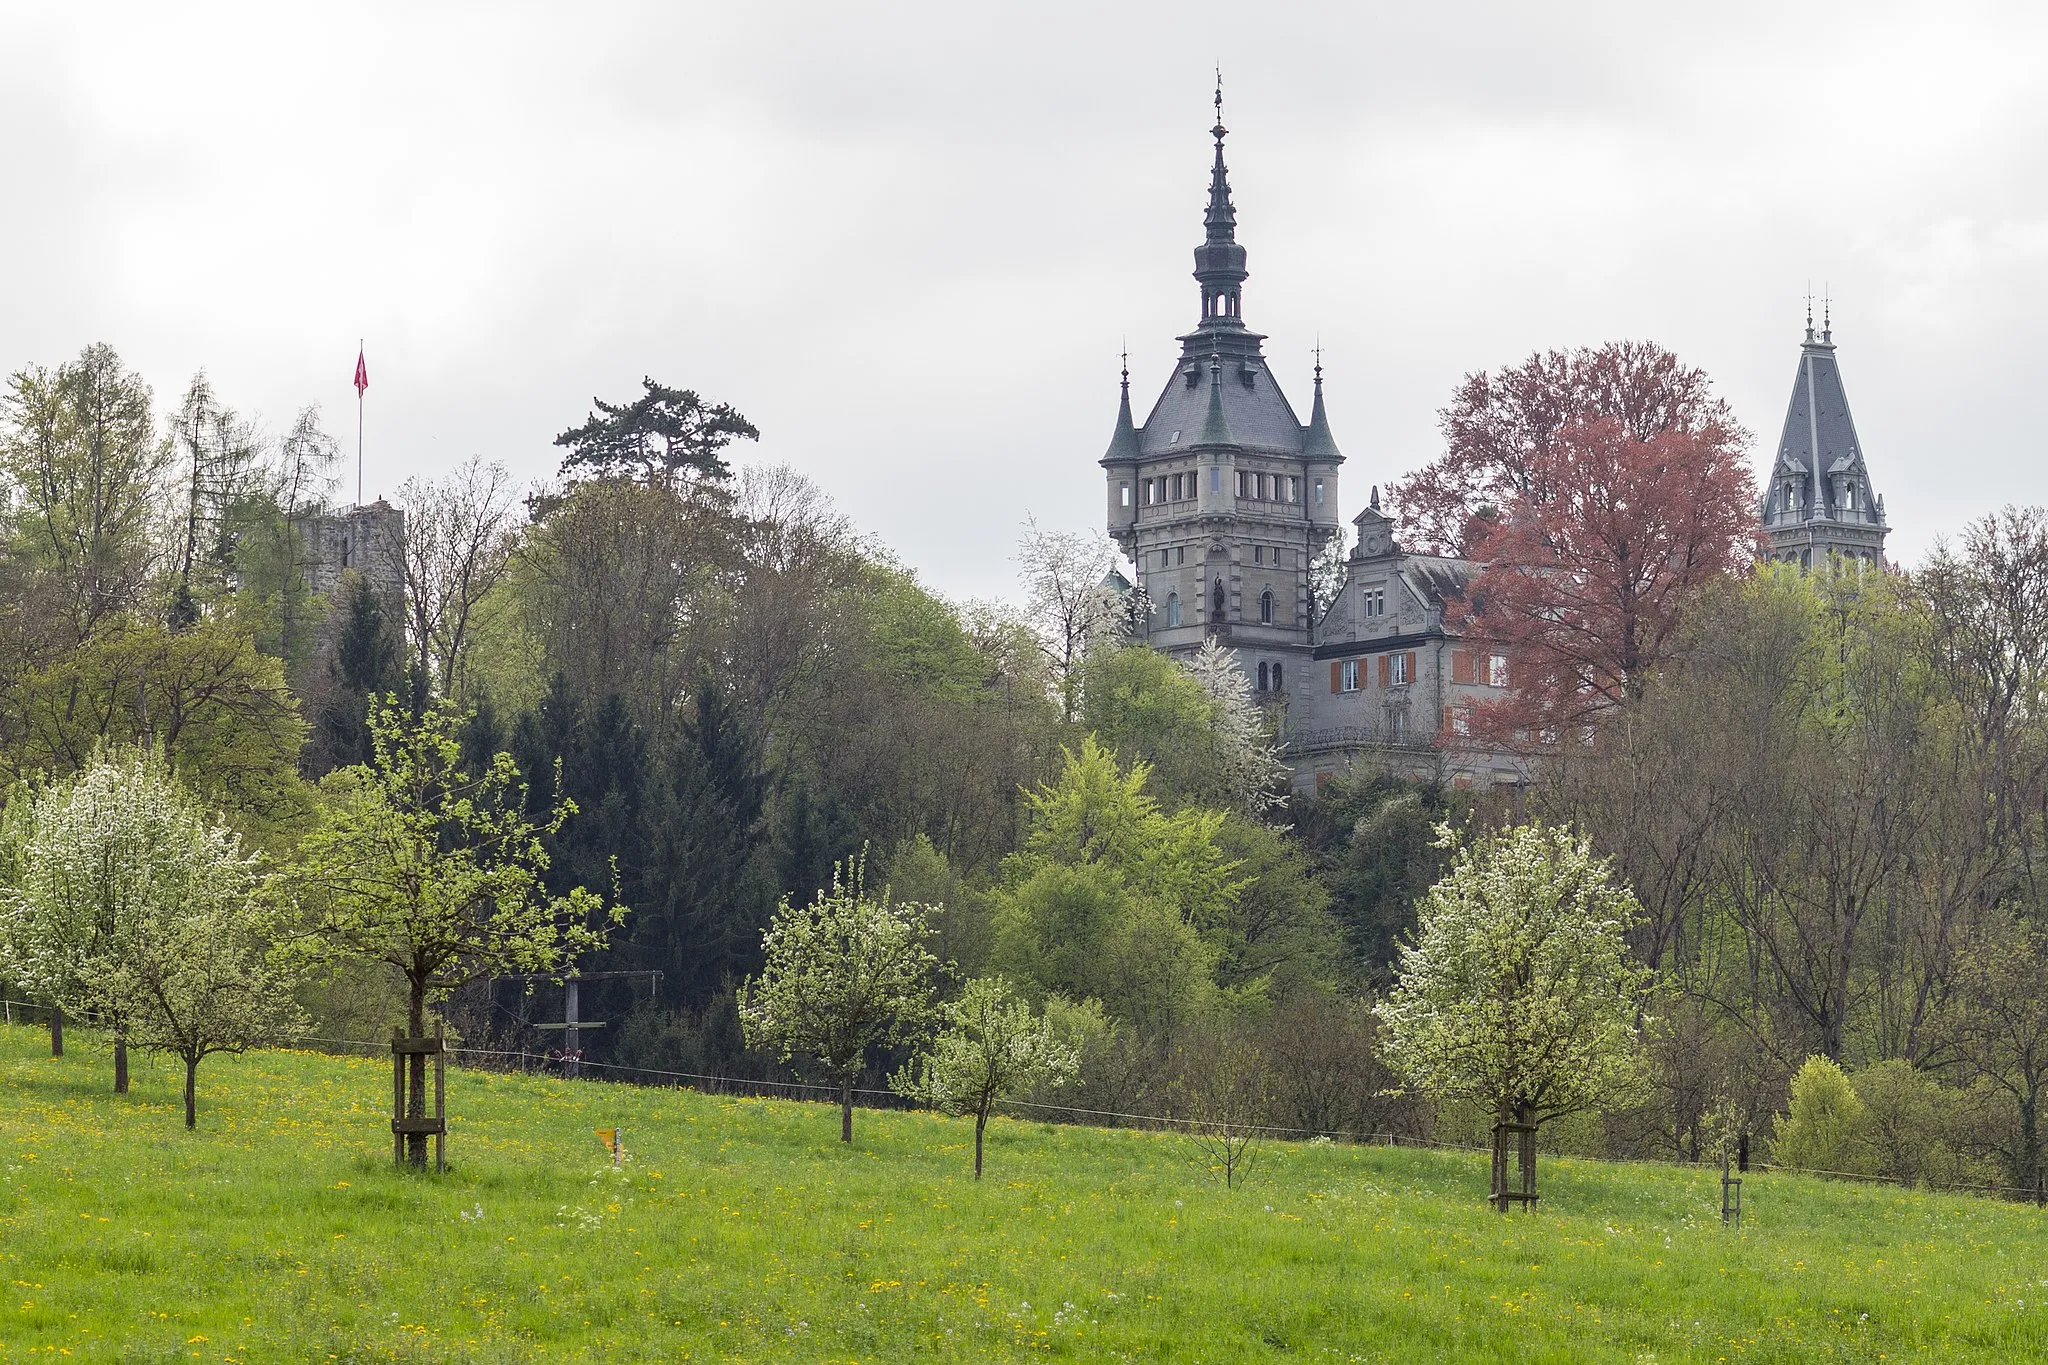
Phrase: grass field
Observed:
(743, 1230)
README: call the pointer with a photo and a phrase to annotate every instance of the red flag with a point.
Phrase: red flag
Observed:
(362, 373)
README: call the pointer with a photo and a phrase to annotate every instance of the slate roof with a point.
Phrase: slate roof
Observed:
(1257, 415)
(1819, 438)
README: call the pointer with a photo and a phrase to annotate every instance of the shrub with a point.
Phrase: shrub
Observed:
(1828, 1126)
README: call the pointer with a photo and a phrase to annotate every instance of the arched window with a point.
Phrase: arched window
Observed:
(1266, 606)
(1262, 677)
(1173, 609)
(1276, 677)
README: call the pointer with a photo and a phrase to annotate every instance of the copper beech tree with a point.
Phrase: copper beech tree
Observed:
(1600, 489)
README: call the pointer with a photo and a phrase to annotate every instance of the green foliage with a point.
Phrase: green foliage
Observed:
(436, 871)
(1084, 931)
(1827, 1127)
(1911, 1120)
(655, 438)
(847, 973)
(1098, 812)
(990, 1046)
(1277, 933)
(204, 698)
(1518, 990)
(1195, 725)
(919, 872)
(78, 450)
(917, 640)
(1374, 842)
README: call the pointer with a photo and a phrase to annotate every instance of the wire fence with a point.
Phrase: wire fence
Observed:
(530, 1063)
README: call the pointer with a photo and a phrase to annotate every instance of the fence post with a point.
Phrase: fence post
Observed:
(440, 1103)
(56, 1031)
(397, 1098)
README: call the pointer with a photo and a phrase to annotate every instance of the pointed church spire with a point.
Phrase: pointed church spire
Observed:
(1819, 502)
(1219, 260)
(1215, 427)
(1317, 443)
(1123, 443)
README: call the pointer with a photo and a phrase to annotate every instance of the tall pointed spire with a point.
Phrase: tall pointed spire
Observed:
(1123, 443)
(1317, 442)
(1219, 260)
(1819, 502)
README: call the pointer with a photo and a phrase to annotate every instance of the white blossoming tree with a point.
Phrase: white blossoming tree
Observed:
(134, 906)
(844, 974)
(992, 1046)
(1245, 755)
(1517, 989)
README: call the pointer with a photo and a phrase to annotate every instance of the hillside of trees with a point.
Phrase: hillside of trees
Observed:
(1828, 793)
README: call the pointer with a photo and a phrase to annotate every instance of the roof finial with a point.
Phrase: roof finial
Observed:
(1319, 360)
(1375, 497)
(1127, 364)
(1219, 101)
(1827, 316)
(1809, 312)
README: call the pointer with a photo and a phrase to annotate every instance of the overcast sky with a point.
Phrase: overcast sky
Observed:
(909, 240)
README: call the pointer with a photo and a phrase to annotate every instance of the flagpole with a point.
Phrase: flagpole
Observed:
(359, 427)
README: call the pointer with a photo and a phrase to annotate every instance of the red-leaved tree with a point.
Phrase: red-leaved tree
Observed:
(1599, 489)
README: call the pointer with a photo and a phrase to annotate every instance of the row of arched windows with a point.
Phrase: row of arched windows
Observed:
(1265, 606)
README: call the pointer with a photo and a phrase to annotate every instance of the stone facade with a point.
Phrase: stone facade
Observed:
(1223, 499)
(369, 539)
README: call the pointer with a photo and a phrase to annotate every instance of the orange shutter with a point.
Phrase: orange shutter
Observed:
(1461, 665)
(1447, 720)
(1412, 676)
(1383, 669)
(1336, 676)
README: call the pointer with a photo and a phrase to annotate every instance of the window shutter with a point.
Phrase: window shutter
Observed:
(1336, 676)
(1411, 666)
(1383, 668)
(1449, 723)
(1461, 665)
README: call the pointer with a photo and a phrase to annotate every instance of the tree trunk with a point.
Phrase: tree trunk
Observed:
(980, 1122)
(1498, 1198)
(416, 1076)
(1525, 1155)
(121, 1065)
(191, 1092)
(56, 1031)
(2029, 1173)
(846, 1111)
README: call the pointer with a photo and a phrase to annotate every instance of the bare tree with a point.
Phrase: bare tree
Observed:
(458, 541)
(1222, 1092)
(218, 455)
(1071, 598)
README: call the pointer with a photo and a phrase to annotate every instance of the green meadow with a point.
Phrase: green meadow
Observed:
(742, 1230)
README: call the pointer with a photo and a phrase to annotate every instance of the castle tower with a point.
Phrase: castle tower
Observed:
(1222, 497)
(1819, 501)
